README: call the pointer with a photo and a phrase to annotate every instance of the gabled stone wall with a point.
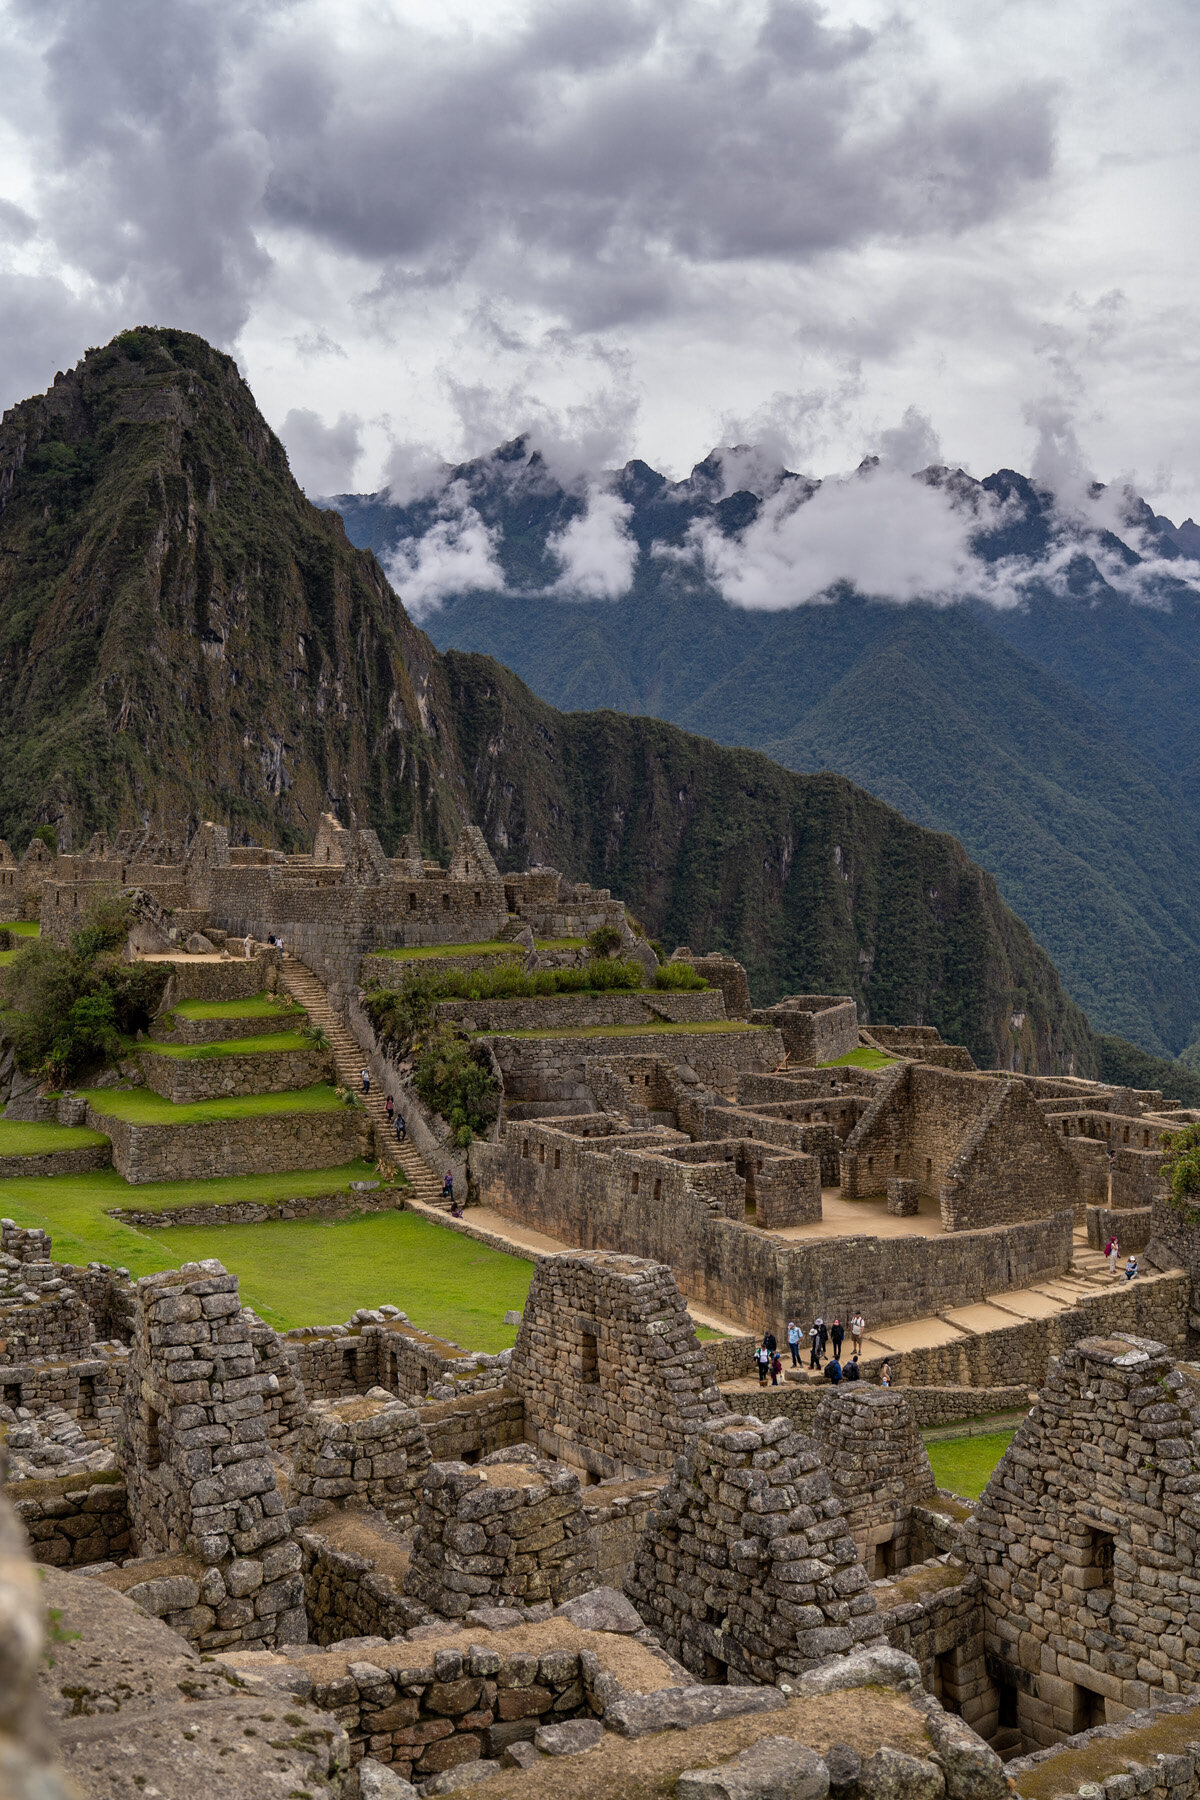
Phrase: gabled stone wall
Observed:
(879, 1468)
(748, 1565)
(608, 1364)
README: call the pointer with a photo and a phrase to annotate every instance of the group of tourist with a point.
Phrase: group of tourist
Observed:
(821, 1337)
(397, 1121)
(1112, 1251)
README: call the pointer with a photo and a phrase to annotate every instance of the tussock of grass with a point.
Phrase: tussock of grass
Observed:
(271, 1043)
(259, 1006)
(862, 1058)
(20, 1139)
(142, 1106)
(965, 1464)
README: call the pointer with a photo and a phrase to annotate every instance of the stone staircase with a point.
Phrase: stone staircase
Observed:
(348, 1060)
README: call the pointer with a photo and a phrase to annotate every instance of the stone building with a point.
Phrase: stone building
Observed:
(815, 1028)
(607, 1363)
(977, 1144)
(1087, 1544)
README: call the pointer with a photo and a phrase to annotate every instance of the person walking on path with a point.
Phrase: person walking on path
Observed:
(814, 1344)
(837, 1337)
(1113, 1251)
(793, 1338)
(776, 1368)
(448, 1187)
(389, 1107)
(824, 1337)
(885, 1375)
(401, 1128)
(762, 1357)
(833, 1370)
(366, 1081)
(857, 1326)
(851, 1372)
(769, 1341)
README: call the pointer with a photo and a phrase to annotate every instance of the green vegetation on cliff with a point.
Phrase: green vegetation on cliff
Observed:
(182, 636)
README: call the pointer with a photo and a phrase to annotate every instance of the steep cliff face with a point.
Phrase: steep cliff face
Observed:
(180, 631)
(183, 636)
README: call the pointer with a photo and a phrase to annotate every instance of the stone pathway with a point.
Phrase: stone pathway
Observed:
(424, 1185)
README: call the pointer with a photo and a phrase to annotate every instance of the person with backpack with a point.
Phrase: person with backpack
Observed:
(776, 1368)
(833, 1370)
(762, 1357)
(401, 1128)
(852, 1372)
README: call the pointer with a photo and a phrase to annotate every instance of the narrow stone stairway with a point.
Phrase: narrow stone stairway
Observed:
(348, 1061)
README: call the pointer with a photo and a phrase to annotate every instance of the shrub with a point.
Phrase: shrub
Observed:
(48, 836)
(453, 1077)
(680, 977)
(6, 938)
(70, 1006)
(1181, 1166)
(404, 1014)
(604, 941)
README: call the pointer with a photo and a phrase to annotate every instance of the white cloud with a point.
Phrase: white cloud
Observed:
(879, 531)
(456, 555)
(596, 552)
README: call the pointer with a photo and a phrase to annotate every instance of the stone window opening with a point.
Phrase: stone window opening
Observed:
(1088, 1709)
(525, 1148)
(445, 903)
(637, 1181)
(1101, 1547)
(589, 1358)
(478, 899)
(12, 1393)
(541, 1153)
(658, 1187)
(153, 1444)
(558, 1159)
(412, 903)
(1146, 1139)
(86, 1404)
(1126, 1137)
(929, 1168)
(870, 1165)
(896, 1163)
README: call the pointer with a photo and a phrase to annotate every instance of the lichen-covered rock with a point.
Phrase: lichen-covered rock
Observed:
(776, 1768)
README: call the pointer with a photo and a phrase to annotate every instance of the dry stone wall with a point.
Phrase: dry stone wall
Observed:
(199, 1475)
(608, 1364)
(83, 1161)
(183, 1079)
(879, 1468)
(1086, 1541)
(747, 1564)
(260, 1145)
(815, 1028)
(370, 1451)
(76, 1520)
(515, 1533)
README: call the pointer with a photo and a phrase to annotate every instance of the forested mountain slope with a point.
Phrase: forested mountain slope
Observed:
(182, 635)
(1058, 738)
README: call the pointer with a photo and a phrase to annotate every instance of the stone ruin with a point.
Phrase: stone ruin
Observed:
(748, 1565)
(372, 1451)
(613, 1379)
(512, 1533)
(879, 1467)
(200, 1480)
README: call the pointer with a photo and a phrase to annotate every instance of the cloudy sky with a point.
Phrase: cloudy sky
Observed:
(637, 226)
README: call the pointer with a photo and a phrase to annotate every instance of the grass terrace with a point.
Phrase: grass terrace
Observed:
(142, 1106)
(260, 1006)
(20, 929)
(492, 947)
(863, 1058)
(293, 1272)
(653, 1028)
(270, 1043)
(965, 1464)
(20, 1139)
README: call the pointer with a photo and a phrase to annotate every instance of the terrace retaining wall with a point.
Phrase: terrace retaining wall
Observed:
(260, 1144)
(184, 1079)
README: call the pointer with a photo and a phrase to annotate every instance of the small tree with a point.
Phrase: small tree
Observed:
(453, 1077)
(604, 941)
(47, 835)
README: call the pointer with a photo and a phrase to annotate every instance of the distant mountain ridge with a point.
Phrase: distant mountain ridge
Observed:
(1058, 737)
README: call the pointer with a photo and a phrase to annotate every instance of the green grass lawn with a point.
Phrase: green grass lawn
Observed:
(259, 1006)
(964, 1464)
(295, 1272)
(21, 928)
(492, 947)
(18, 1139)
(653, 1027)
(142, 1106)
(863, 1058)
(270, 1043)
